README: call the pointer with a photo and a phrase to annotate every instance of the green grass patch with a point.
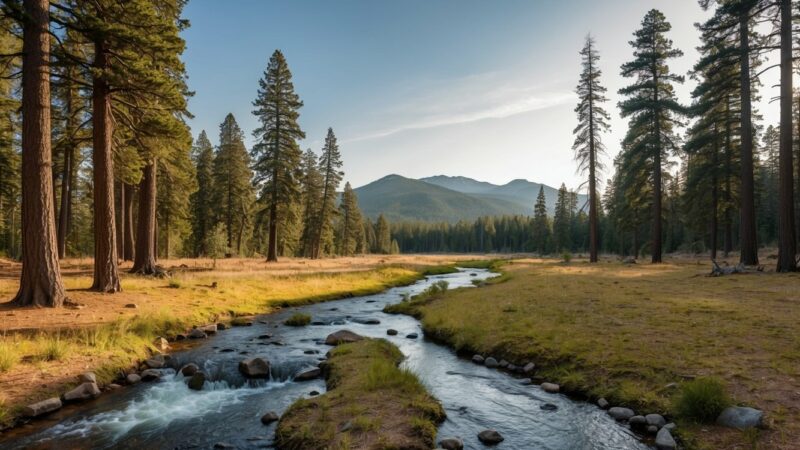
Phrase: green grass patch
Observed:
(298, 320)
(702, 400)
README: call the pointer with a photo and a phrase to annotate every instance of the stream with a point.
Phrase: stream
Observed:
(168, 415)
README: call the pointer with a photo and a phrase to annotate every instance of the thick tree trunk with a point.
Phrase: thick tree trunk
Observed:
(714, 226)
(787, 243)
(747, 225)
(106, 271)
(40, 282)
(127, 224)
(145, 261)
(728, 238)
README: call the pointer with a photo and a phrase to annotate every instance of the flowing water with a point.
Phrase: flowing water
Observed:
(168, 415)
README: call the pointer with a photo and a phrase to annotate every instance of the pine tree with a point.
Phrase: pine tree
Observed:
(311, 190)
(562, 220)
(592, 121)
(787, 240)
(352, 229)
(541, 225)
(233, 192)
(203, 211)
(276, 154)
(652, 107)
(9, 154)
(330, 163)
(383, 236)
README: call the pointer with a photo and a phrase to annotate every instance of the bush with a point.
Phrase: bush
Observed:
(702, 400)
(9, 356)
(51, 349)
(566, 257)
(298, 320)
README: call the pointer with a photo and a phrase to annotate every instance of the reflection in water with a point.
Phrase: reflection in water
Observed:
(167, 414)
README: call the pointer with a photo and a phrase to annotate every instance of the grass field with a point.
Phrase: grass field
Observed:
(626, 332)
(370, 403)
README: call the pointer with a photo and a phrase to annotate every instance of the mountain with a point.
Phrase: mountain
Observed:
(450, 199)
(402, 199)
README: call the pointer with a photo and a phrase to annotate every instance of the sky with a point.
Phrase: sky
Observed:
(483, 89)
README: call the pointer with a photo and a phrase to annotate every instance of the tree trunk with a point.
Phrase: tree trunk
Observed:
(40, 282)
(106, 272)
(728, 170)
(656, 238)
(127, 225)
(145, 261)
(787, 243)
(747, 225)
(714, 197)
(166, 236)
(66, 199)
(121, 227)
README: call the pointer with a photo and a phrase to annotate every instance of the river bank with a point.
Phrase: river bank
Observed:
(634, 334)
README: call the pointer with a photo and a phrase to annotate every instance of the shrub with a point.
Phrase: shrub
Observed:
(175, 283)
(52, 349)
(298, 320)
(9, 356)
(702, 400)
(566, 257)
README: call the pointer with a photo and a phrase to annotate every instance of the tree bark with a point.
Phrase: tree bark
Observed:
(787, 243)
(728, 238)
(66, 199)
(121, 227)
(40, 282)
(145, 261)
(106, 271)
(747, 226)
(714, 226)
(127, 224)
(656, 238)
(592, 175)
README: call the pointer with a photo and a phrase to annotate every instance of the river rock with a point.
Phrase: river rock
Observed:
(528, 368)
(412, 335)
(313, 393)
(156, 362)
(221, 326)
(161, 344)
(620, 413)
(526, 381)
(308, 374)
(264, 336)
(491, 362)
(670, 426)
(503, 364)
(197, 381)
(189, 369)
(512, 368)
(652, 429)
(665, 441)
(490, 437)
(740, 417)
(42, 407)
(87, 377)
(269, 417)
(391, 332)
(196, 333)
(368, 321)
(477, 359)
(223, 445)
(551, 388)
(656, 419)
(208, 329)
(548, 407)
(133, 378)
(150, 375)
(602, 403)
(451, 443)
(84, 391)
(254, 368)
(637, 422)
(342, 337)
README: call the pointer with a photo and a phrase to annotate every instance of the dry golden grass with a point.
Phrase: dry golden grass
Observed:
(625, 332)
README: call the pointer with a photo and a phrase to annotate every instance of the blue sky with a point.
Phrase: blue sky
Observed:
(423, 87)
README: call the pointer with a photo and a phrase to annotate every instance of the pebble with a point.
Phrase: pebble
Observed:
(551, 388)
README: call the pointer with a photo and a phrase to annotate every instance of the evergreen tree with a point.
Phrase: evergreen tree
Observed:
(652, 107)
(276, 153)
(562, 220)
(541, 225)
(233, 191)
(311, 189)
(330, 163)
(352, 229)
(787, 239)
(592, 121)
(202, 208)
(383, 237)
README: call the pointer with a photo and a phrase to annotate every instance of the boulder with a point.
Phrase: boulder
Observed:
(189, 369)
(156, 362)
(254, 368)
(656, 419)
(150, 375)
(391, 332)
(451, 443)
(308, 374)
(652, 429)
(637, 422)
(602, 403)
(670, 426)
(491, 362)
(87, 377)
(620, 413)
(477, 359)
(412, 335)
(528, 368)
(197, 381)
(197, 333)
(551, 388)
(665, 441)
(269, 417)
(342, 337)
(490, 437)
(741, 417)
(161, 344)
(313, 393)
(42, 407)
(84, 391)
(133, 378)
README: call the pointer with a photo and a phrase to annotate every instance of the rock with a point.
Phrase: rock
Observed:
(740, 417)
(161, 344)
(526, 381)
(227, 350)
(197, 381)
(551, 388)
(131, 305)
(264, 336)
(156, 362)
(308, 374)
(42, 407)
(342, 337)
(491, 363)
(113, 386)
(548, 407)
(189, 369)
(637, 422)
(310, 352)
(150, 375)
(391, 332)
(208, 329)
(368, 321)
(84, 391)
(652, 429)
(477, 359)
(528, 368)
(412, 335)
(490, 437)
(313, 393)
(221, 326)
(602, 403)
(317, 323)
(512, 367)
(197, 333)
(670, 426)
(223, 445)
(269, 417)
(254, 368)
(620, 413)
(452, 443)
(503, 364)
(87, 377)
(133, 378)
(665, 441)
(655, 419)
